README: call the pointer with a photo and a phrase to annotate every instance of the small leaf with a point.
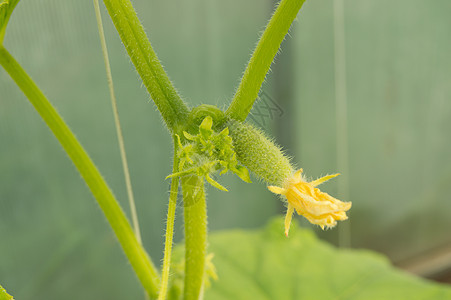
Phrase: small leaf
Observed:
(179, 142)
(205, 127)
(224, 132)
(182, 173)
(207, 123)
(243, 173)
(210, 269)
(215, 183)
(189, 136)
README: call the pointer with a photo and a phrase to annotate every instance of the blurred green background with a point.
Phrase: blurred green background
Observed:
(54, 240)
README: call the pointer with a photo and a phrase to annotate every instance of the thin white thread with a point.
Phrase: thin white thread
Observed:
(344, 230)
(118, 124)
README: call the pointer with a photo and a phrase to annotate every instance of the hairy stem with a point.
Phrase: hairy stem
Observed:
(195, 215)
(261, 59)
(140, 261)
(155, 79)
(170, 226)
(120, 138)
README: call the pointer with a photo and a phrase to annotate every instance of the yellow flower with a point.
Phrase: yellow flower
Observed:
(318, 207)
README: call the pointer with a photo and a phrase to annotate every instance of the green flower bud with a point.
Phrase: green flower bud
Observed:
(208, 151)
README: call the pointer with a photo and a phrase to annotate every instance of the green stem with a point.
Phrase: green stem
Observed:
(120, 138)
(165, 96)
(170, 226)
(261, 59)
(195, 213)
(137, 256)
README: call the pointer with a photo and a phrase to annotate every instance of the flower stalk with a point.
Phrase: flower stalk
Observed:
(170, 226)
(195, 214)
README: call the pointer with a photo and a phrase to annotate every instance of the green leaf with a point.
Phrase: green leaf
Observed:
(205, 127)
(215, 183)
(4, 295)
(243, 173)
(6, 9)
(267, 265)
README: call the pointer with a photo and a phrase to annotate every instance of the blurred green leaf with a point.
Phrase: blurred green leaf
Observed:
(6, 9)
(267, 265)
(4, 295)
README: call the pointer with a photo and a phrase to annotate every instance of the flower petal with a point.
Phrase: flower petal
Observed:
(323, 179)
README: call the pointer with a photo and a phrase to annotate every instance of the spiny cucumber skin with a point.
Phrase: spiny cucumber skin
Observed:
(259, 154)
